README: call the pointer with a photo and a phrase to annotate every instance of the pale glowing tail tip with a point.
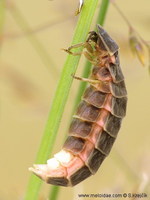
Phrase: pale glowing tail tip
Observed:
(31, 169)
(35, 168)
(53, 163)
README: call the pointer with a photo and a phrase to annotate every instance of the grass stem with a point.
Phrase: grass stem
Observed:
(61, 95)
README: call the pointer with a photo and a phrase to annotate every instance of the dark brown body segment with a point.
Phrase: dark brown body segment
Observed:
(115, 70)
(112, 125)
(119, 106)
(98, 118)
(74, 144)
(80, 128)
(58, 181)
(105, 142)
(95, 160)
(94, 97)
(87, 112)
(80, 175)
(118, 89)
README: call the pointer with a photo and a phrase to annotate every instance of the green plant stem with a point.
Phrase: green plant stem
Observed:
(2, 16)
(38, 46)
(54, 192)
(103, 11)
(87, 69)
(61, 95)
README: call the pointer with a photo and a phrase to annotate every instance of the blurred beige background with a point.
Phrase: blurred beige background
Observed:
(28, 79)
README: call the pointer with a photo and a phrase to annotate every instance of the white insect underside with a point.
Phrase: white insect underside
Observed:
(62, 158)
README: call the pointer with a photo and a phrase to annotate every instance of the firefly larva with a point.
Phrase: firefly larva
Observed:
(97, 120)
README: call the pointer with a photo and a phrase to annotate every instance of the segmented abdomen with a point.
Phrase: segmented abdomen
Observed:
(95, 125)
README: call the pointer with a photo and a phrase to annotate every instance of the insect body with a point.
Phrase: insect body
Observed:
(97, 120)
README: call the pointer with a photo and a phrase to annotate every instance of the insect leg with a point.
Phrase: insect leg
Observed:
(89, 54)
(85, 45)
(86, 79)
(90, 57)
(74, 47)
